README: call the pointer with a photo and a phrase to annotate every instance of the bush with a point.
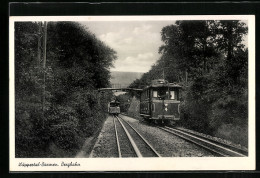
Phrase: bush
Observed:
(73, 109)
(134, 108)
(65, 135)
(196, 107)
(30, 133)
(236, 134)
(211, 108)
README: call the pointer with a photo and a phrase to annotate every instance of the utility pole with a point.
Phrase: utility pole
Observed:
(44, 62)
(39, 54)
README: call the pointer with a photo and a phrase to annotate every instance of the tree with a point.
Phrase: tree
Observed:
(230, 35)
(189, 46)
(77, 63)
(212, 55)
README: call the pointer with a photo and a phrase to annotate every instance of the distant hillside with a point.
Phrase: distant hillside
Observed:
(124, 78)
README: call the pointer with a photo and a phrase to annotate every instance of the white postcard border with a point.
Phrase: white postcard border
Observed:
(136, 164)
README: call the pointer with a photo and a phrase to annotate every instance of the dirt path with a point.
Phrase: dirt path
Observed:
(105, 145)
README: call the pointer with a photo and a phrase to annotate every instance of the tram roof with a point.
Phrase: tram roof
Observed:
(162, 83)
(171, 85)
(117, 102)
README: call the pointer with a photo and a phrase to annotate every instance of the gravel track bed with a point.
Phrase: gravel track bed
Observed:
(166, 144)
(142, 146)
(125, 145)
(106, 143)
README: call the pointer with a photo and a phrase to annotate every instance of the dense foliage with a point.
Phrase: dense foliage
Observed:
(124, 100)
(58, 106)
(210, 60)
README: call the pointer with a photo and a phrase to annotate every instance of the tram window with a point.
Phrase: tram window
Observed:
(163, 93)
(154, 93)
(114, 104)
(172, 94)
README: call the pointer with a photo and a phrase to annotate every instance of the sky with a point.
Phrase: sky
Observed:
(136, 42)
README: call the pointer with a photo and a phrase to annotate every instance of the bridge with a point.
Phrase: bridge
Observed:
(121, 89)
(119, 85)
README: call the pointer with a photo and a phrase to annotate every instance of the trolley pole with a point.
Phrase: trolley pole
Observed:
(163, 74)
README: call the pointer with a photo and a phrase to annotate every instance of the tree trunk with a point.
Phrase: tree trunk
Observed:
(44, 63)
(230, 42)
(186, 76)
(204, 57)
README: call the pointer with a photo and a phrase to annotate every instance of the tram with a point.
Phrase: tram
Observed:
(114, 108)
(160, 101)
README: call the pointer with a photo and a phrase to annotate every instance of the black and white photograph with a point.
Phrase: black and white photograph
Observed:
(124, 93)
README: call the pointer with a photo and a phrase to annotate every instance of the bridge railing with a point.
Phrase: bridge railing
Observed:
(118, 85)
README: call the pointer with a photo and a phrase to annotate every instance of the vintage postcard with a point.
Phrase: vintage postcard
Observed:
(132, 93)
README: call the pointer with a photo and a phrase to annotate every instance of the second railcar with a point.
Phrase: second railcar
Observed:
(114, 108)
(160, 101)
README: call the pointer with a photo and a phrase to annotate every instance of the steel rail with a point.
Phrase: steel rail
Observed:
(147, 143)
(203, 143)
(216, 146)
(117, 140)
(236, 149)
(193, 141)
(137, 151)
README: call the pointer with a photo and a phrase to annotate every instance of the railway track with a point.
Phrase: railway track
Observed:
(236, 149)
(208, 144)
(124, 145)
(130, 143)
